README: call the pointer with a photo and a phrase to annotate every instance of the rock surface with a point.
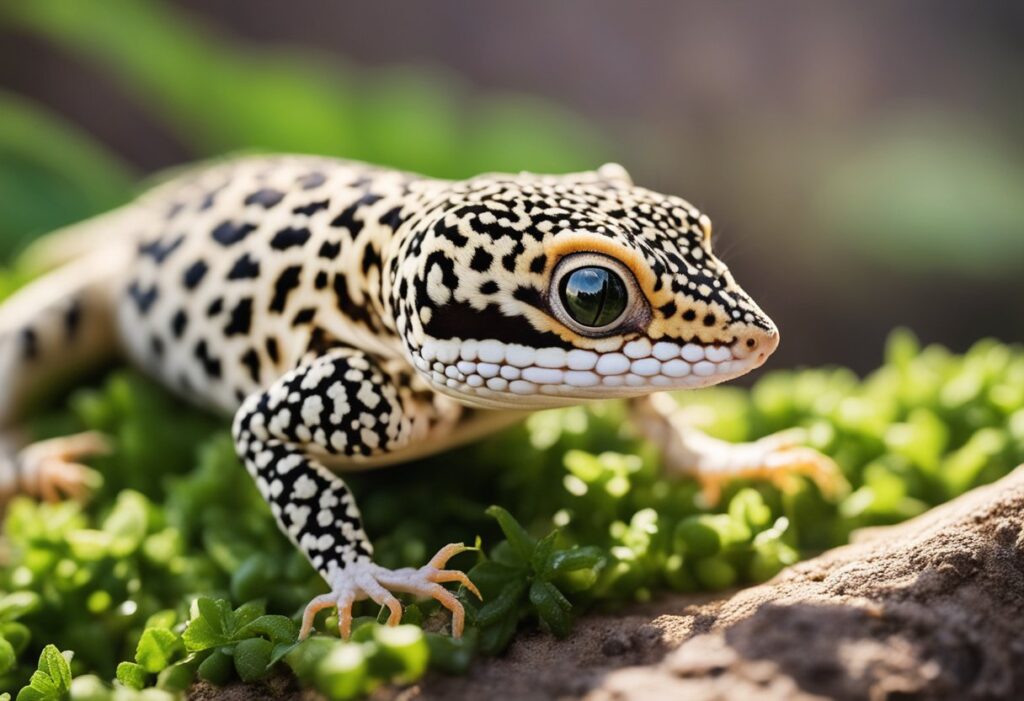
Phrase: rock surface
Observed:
(930, 609)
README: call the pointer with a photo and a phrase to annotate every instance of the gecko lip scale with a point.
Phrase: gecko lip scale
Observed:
(491, 368)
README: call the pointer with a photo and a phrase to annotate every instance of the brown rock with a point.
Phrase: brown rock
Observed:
(929, 609)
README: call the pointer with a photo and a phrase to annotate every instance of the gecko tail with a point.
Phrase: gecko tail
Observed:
(58, 326)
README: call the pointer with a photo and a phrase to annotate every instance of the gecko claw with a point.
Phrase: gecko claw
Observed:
(366, 580)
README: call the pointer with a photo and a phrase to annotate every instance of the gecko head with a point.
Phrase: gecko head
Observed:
(528, 291)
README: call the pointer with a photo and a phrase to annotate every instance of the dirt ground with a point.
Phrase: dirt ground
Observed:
(929, 609)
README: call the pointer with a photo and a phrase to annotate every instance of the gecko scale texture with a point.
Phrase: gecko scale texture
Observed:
(351, 316)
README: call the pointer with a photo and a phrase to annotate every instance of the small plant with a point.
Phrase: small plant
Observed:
(175, 570)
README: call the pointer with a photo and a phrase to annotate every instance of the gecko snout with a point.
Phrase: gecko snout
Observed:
(757, 342)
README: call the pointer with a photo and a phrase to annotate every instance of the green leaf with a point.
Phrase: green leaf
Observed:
(278, 629)
(207, 628)
(156, 649)
(56, 666)
(522, 543)
(341, 674)
(578, 558)
(216, 668)
(179, 676)
(17, 604)
(127, 523)
(17, 634)
(131, 675)
(451, 655)
(503, 604)
(252, 658)
(490, 577)
(7, 656)
(552, 607)
(542, 554)
(402, 653)
(243, 616)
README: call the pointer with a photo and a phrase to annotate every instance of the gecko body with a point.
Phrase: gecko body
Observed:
(349, 316)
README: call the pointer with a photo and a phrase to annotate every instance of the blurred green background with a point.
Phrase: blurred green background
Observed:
(863, 162)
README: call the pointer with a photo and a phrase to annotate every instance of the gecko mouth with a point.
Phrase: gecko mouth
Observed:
(492, 373)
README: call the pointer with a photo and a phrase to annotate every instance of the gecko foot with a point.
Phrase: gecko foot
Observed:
(777, 458)
(50, 469)
(366, 580)
(688, 452)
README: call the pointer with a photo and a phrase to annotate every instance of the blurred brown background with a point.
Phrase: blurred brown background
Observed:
(863, 162)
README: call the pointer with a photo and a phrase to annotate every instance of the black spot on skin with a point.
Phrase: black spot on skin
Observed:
(347, 217)
(311, 180)
(481, 261)
(329, 250)
(239, 396)
(438, 259)
(488, 287)
(320, 282)
(538, 263)
(211, 365)
(228, 233)
(244, 268)
(272, 350)
(215, 308)
(356, 312)
(158, 250)
(194, 274)
(304, 316)
(265, 197)
(174, 210)
(156, 346)
(392, 218)
(178, 323)
(451, 233)
(529, 295)
(668, 310)
(251, 361)
(29, 344)
(460, 320)
(710, 320)
(73, 319)
(143, 299)
(210, 198)
(287, 281)
(240, 320)
(371, 258)
(509, 259)
(312, 208)
(689, 315)
(289, 238)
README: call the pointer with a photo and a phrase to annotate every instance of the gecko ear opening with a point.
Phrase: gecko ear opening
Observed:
(615, 173)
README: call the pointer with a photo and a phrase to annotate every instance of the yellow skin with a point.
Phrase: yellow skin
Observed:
(350, 316)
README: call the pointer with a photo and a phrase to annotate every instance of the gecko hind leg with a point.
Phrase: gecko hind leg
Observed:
(688, 452)
(340, 406)
(51, 469)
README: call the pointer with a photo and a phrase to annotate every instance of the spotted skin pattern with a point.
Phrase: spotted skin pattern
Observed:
(350, 316)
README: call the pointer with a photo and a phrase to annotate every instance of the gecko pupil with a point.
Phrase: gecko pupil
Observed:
(593, 296)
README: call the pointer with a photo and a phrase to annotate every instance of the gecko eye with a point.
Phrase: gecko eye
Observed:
(596, 295)
(593, 296)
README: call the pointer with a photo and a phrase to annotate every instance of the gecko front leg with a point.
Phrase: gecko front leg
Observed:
(341, 405)
(689, 452)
